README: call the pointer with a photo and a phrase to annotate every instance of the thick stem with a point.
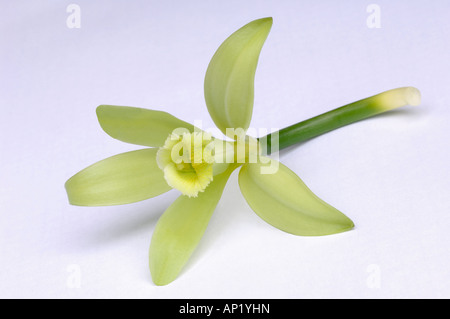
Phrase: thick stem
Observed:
(339, 117)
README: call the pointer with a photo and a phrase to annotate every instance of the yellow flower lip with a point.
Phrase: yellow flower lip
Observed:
(186, 162)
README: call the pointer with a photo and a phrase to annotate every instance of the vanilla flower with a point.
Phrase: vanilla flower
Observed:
(182, 157)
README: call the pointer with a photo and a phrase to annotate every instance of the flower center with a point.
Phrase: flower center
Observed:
(187, 161)
(190, 160)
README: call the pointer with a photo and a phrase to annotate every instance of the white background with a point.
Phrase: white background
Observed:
(389, 174)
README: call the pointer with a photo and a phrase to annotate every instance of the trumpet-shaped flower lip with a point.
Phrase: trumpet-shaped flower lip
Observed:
(186, 164)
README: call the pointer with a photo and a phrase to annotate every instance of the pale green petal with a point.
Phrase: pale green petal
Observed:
(229, 80)
(180, 229)
(120, 179)
(285, 202)
(139, 126)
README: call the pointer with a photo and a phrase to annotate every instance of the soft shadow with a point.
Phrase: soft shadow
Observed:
(126, 221)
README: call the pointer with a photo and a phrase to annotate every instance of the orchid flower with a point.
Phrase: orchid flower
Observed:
(183, 157)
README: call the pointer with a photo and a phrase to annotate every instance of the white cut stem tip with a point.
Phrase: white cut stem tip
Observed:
(412, 96)
(396, 98)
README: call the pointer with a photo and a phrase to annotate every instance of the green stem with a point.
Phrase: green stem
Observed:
(339, 117)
